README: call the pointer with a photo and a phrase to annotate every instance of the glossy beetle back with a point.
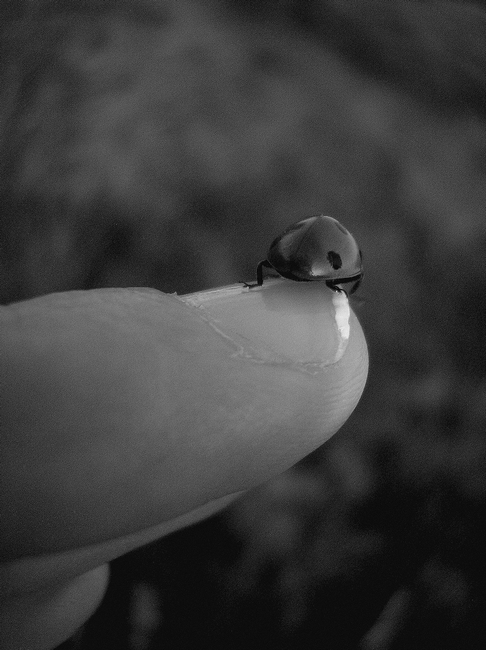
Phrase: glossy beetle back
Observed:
(316, 248)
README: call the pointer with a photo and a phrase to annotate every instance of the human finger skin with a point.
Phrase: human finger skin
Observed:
(123, 408)
(125, 411)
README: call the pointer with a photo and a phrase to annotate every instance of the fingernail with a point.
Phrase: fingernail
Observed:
(305, 326)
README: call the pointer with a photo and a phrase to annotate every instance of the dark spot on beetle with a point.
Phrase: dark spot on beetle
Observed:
(334, 260)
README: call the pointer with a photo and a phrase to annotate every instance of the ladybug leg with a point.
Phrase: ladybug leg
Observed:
(356, 284)
(267, 265)
(259, 274)
(334, 287)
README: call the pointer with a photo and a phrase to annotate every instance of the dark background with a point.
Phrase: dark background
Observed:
(165, 144)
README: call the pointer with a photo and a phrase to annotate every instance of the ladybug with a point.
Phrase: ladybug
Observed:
(315, 249)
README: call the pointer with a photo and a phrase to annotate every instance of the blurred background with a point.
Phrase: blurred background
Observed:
(165, 144)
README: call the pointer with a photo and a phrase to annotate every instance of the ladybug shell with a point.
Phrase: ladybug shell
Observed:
(316, 248)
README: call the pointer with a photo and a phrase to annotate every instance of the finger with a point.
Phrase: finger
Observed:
(40, 572)
(46, 598)
(43, 620)
(124, 409)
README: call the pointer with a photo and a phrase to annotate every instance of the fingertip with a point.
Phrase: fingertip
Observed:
(301, 357)
(289, 328)
(158, 404)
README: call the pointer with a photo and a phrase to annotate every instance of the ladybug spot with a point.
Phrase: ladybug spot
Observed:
(334, 260)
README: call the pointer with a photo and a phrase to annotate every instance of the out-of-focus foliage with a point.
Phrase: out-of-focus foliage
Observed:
(165, 144)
